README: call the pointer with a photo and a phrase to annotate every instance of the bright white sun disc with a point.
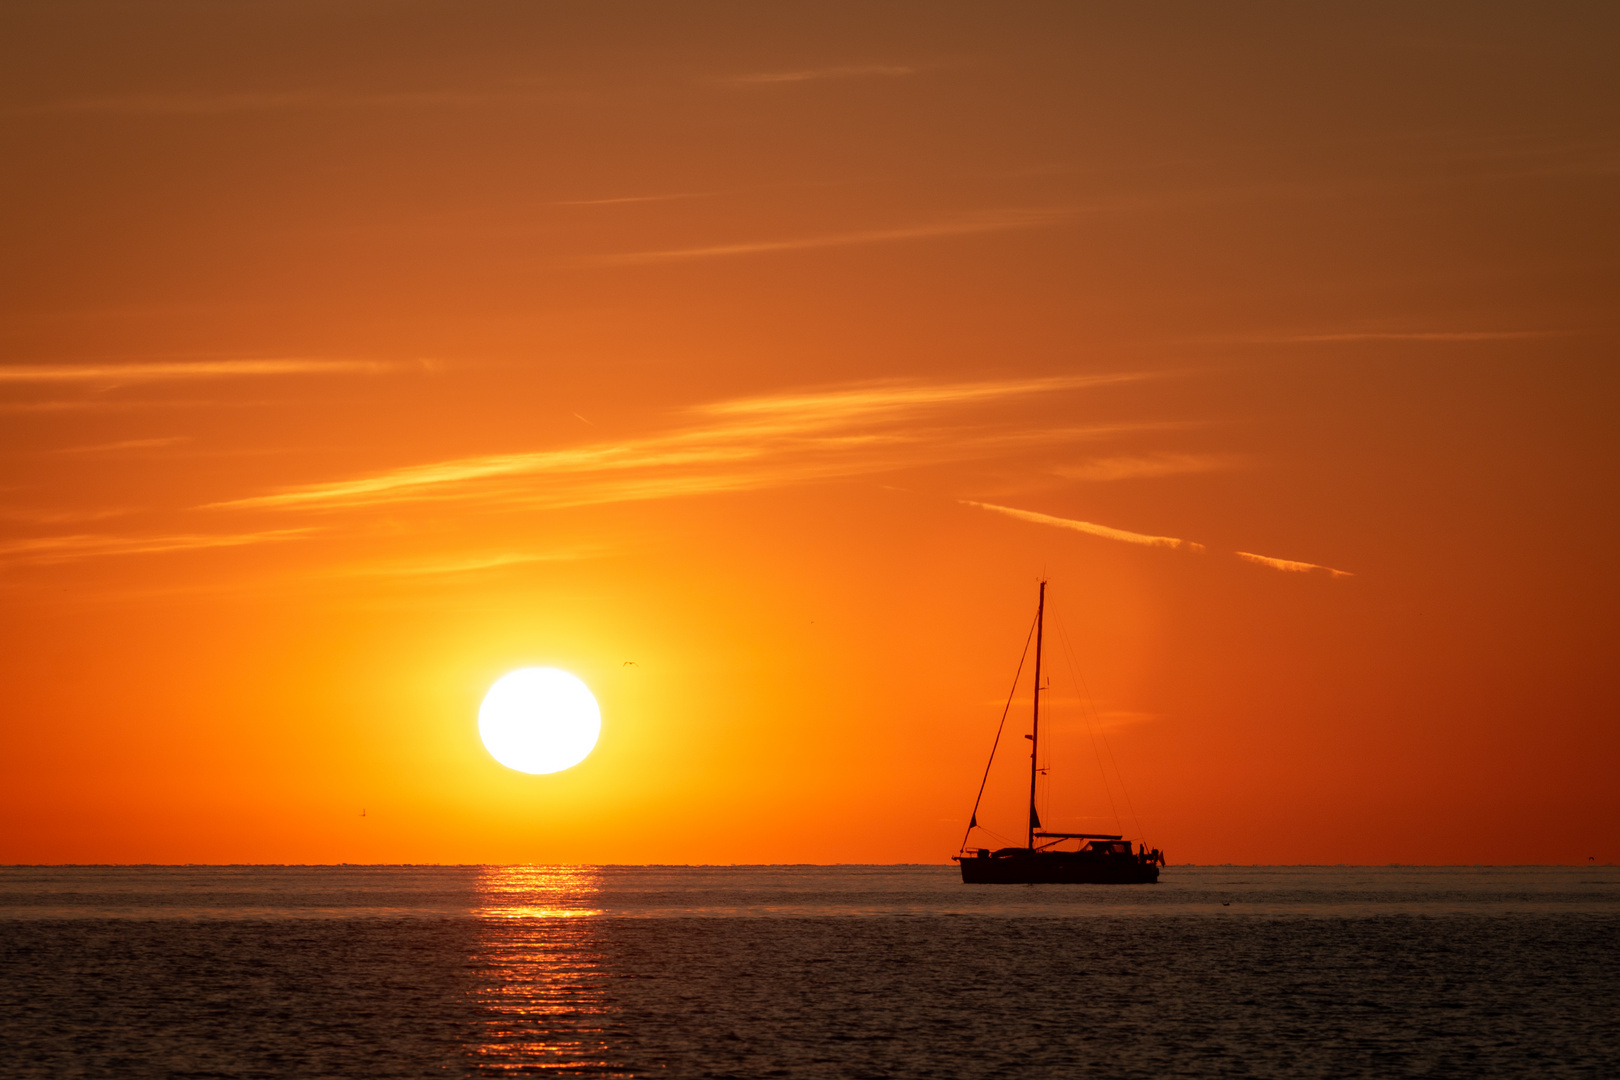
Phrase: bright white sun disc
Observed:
(539, 720)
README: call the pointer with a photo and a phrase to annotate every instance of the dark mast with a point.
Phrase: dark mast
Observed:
(1035, 725)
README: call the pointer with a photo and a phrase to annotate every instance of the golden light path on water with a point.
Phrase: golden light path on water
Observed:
(540, 983)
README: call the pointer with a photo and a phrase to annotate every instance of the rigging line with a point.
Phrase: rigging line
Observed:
(974, 817)
(1080, 706)
(1006, 841)
(1081, 679)
(1100, 731)
(1091, 729)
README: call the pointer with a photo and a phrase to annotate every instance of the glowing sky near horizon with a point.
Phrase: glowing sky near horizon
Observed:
(752, 364)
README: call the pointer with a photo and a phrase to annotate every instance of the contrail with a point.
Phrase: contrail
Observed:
(1103, 531)
(1290, 565)
(1287, 565)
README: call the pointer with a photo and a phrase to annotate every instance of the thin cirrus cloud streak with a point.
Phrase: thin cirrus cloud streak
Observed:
(855, 402)
(753, 442)
(54, 549)
(623, 199)
(1104, 531)
(861, 71)
(41, 516)
(200, 105)
(1291, 566)
(994, 222)
(1132, 467)
(1125, 536)
(122, 446)
(1406, 335)
(175, 104)
(165, 371)
(469, 564)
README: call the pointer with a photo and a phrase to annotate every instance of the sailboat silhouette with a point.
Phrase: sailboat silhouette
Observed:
(1101, 858)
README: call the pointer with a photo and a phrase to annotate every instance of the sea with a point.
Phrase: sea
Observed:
(806, 971)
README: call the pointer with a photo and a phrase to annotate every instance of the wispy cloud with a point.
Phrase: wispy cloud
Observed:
(858, 71)
(992, 222)
(1109, 533)
(1115, 719)
(1409, 335)
(842, 404)
(465, 476)
(1131, 467)
(180, 369)
(39, 516)
(178, 104)
(469, 564)
(622, 199)
(1291, 566)
(52, 549)
(102, 404)
(206, 104)
(121, 446)
(746, 443)
(1104, 531)
(1075, 715)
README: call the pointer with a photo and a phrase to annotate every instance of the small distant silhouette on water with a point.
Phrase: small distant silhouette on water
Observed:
(362, 813)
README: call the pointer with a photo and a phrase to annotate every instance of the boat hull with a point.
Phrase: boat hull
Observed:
(1057, 868)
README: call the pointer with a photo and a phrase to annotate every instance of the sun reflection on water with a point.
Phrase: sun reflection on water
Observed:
(540, 980)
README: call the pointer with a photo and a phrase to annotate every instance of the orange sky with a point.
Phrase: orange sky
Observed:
(352, 355)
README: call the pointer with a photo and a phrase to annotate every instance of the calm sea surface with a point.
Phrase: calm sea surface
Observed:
(851, 971)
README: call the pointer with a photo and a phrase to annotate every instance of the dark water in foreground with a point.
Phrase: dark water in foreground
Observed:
(806, 971)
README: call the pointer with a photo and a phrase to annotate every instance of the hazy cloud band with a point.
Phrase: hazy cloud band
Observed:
(198, 369)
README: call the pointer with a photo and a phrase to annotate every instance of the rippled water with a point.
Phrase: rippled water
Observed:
(806, 971)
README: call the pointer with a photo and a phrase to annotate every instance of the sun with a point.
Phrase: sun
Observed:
(539, 720)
